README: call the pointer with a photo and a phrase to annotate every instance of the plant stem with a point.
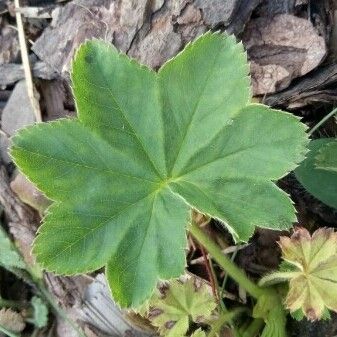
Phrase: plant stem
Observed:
(277, 277)
(218, 289)
(226, 276)
(254, 328)
(224, 318)
(210, 273)
(233, 271)
(322, 121)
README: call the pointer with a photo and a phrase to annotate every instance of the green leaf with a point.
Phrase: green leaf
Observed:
(9, 256)
(40, 318)
(313, 285)
(317, 181)
(172, 308)
(297, 315)
(144, 148)
(198, 333)
(229, 178)
(270, 309)
(327, 157)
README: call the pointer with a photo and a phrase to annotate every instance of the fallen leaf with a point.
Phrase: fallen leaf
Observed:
(11, 320)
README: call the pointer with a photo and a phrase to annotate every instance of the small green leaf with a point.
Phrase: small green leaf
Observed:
(321, 183)
(327, 157)
(298, 315)
(270, 309)
(40, 318)
(9, 256)
(175, 306)
(145, 147)
(313, 285)
(198, 333)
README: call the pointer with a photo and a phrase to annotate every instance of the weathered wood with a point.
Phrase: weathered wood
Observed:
(55, 97)
(18, 111)
(99, 309)
(9, 45)
(272, 8)
(280, 49)
(308, 89)
(241, 16)
(22, 220)
(12, 72)
(37, 12)
(151, 31)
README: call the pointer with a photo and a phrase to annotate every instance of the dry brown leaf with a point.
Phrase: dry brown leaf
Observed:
(11, 320)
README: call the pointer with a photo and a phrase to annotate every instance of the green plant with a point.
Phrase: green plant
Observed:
(269, 306)
(315, 172)
(9, 257)
(177, 303)
(35, 313)
(327, 157)
(40, 312)
(318, 173)
(198, 333)
(144, 148)
(311, 269)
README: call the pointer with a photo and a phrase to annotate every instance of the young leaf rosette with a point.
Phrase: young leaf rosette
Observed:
(312, 272)
(177, 304)
(146, 147)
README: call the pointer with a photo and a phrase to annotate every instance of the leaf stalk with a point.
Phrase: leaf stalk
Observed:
(226, 263)
(322, 121)
(226, 317)
(254, 328)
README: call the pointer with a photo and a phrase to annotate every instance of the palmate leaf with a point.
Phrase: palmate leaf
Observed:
(40, 315)
(327, 157)
(144, 148)
(313, 285)
(320, 182)
(176, 305)
(270, 309)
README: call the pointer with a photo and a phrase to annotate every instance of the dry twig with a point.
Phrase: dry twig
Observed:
(32, 94)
